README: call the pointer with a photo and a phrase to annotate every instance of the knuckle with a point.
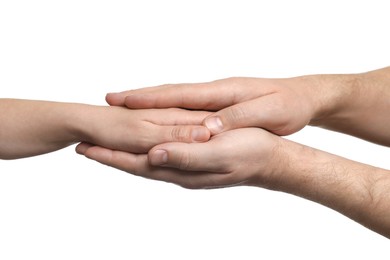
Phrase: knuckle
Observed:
(236, 113)
(185, 161)
(180, 133)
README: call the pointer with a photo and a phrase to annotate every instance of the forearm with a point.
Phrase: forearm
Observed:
(31, 128)
(358, 191)
(355, 104)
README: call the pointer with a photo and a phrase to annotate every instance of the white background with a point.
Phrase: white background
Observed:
(63, 206)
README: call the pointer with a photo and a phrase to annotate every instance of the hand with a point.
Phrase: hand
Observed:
(30, 127)
(252, 156)
(137, 131)
(355, 104)
(282, 106)
(246, 156)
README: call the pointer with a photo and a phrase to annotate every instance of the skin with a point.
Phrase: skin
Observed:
(255, 157)
(238, 154)
(354, 104)
(31, 128)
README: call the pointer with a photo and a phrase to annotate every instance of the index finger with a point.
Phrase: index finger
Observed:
(203, 96)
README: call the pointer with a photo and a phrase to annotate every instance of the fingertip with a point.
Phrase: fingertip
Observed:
(115, 99)
(81, 148)
(158, 157)
(214, 124)
(200, 134)
(99, 154)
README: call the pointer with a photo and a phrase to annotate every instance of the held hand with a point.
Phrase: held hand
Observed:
(246, 156)
(137, 131)
(282, 106)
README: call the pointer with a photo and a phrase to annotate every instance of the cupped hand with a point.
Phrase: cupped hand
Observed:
(282, 106)
(247, 156)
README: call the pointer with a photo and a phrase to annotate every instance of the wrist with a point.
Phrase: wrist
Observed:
(331, 96)
(291, 162)
(79, 122)
(283, 171)
(343, 185)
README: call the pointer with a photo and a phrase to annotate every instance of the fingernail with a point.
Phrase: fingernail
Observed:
(214, 124)
(199, 134)
(159, 157)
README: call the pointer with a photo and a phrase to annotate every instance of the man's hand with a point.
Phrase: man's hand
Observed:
(279, 105)
(239, 157)
(255, 157)
(355, 104)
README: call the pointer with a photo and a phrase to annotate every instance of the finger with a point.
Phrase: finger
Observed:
(178, 125)
(177, 131)
(138, 165)
(198, 157)
(143, 138)
(204, 96)
(183, 133)
(81, 148)
(176, 116)
(266, 112)
(117, 99)
(117, 159)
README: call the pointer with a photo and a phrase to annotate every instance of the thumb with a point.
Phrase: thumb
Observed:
(261, 112)
(199, 157)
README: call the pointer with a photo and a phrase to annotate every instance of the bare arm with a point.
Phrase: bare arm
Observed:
(255, 157)
(29, 128)
(359, 191)
(34, 127)
(356, 104)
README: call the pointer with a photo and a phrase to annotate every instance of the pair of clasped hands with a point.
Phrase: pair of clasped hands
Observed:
(225, 133)
(227, 138)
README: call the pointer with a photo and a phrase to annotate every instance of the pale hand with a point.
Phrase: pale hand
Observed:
(137, 131)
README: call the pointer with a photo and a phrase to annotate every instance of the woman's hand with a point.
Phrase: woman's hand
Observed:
(30, 127)
(137, 131)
